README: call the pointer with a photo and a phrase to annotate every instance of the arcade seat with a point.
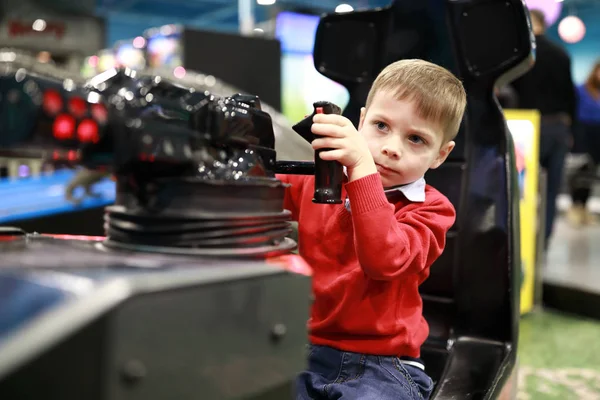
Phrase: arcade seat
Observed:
(471, 300)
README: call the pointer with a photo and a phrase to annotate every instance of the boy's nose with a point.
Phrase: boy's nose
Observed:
(390, 152)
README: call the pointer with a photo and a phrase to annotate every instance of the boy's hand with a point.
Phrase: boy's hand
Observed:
(347, 145)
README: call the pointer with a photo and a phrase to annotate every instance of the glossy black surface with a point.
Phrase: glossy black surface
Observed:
(328, 174)
(176, 153)
(471, 299)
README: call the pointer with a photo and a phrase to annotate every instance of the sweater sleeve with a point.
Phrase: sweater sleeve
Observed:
(293, 194)
(390, 245)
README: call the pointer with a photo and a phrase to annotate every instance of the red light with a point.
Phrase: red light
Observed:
(93, 61)
(10, 238)
(72, 155)
(99, 113)
(87, 131)
(75, 237)
(63, 127)
(52, 102)
(77, 106)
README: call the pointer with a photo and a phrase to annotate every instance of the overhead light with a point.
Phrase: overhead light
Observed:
(259, 30)
(179, 72)
(139, 42)
(38, 25)
(344, 8)
(571, 29)
(265, 2)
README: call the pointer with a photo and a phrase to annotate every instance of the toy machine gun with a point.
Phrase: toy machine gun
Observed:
(182, 160)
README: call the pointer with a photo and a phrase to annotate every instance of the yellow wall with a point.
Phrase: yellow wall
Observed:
(525, 128)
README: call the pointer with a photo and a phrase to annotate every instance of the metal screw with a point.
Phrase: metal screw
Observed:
(133, 371)
(278, 332)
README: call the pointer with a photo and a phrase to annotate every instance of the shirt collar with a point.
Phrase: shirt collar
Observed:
(414, 191)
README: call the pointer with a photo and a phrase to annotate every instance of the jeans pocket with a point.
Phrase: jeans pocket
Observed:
(420, 381)
(311, 350)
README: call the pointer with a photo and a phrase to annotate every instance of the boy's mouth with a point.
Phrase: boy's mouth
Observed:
(384, 170)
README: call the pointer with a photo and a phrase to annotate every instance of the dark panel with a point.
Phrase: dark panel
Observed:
(473, 364)
(441, 280)
(252, 64)
(479, 26)
(84, 222)
(571, 300)
(72, 370)
(440, 315)
(448, 179)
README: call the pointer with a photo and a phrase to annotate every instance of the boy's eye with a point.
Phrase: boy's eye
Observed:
(416, 139)
(380, 125)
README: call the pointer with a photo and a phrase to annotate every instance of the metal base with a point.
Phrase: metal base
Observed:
(115, 325)
(283, 247)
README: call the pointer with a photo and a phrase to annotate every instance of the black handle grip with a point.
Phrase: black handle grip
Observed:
(329, 175)
(295, 167)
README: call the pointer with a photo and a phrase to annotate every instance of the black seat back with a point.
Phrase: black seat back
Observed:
(473, 290)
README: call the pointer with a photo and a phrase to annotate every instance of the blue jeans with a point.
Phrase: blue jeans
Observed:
(334, 374)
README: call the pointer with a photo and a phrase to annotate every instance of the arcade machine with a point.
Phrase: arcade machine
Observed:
(58, 203)
(20, 100)
(55, 110)
(193, 290)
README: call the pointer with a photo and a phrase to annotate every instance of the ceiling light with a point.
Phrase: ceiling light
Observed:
(571, 29)
(343, 8)
(38, 25)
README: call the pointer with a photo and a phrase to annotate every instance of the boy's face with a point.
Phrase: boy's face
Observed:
(403, 145)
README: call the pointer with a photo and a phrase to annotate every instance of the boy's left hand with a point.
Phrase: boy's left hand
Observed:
(347, 145)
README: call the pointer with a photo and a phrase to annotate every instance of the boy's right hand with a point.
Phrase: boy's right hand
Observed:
(344, 143)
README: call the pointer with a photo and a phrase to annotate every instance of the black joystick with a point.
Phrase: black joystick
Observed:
(328, 174)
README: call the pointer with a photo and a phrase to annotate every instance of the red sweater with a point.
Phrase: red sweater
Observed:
(368, 264)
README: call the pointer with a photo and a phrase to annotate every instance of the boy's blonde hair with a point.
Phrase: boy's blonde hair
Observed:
(438, 95)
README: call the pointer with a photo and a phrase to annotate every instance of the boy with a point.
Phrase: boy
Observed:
(370, 255)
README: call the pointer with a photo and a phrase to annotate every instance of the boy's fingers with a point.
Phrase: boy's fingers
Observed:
(333, 119)
(327, 143)
(327, 130)
(332, 155)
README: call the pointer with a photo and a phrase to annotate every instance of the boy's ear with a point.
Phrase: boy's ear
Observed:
(363, 112)
(443, 154)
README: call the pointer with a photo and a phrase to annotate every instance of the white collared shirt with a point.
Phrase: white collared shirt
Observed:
(414, 191)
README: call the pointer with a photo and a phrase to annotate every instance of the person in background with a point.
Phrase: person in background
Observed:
(587, 141)
(548, 87)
